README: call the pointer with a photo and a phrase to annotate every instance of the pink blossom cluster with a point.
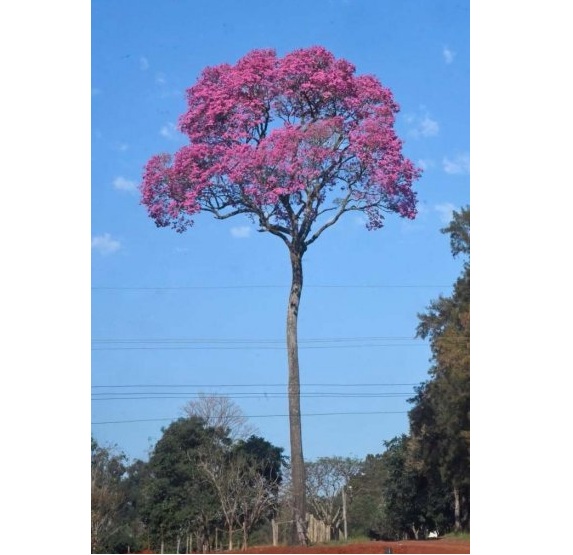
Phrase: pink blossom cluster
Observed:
(267, 131)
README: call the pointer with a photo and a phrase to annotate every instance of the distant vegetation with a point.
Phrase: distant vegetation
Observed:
(210, 483)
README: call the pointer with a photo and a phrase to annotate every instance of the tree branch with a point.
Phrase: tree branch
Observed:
(341, 210)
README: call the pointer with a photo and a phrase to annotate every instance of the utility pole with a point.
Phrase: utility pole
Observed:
(344, 513)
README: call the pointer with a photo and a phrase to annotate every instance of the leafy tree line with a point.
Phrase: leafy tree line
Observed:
(198, 483)
(422, 480)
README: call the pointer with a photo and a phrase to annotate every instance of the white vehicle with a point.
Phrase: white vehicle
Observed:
(433, 534)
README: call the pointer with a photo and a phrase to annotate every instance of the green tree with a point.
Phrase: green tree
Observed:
(327, 488)
(246, 476)
(405, 491)
(366, 511)
(178, 500)
(266, 458)
(440, 418)
(131, 537)
(107, 471)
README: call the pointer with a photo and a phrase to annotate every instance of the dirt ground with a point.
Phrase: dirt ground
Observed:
(445, 546)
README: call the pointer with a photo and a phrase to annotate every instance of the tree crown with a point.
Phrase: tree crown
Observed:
(292, 142)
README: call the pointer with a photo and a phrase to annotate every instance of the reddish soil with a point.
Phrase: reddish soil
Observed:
(445, 546)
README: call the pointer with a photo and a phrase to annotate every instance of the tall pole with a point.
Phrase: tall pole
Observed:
(344, 513)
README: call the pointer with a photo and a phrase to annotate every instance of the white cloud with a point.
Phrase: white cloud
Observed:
(121, 147)
(445, 210)
(241, 232)
(122, 184)
(104, 244)
(165, 89)
(168, 131)
(143, 63)
(459, 165)
(425, 163)
(428, 127)
(448, 55)
(422, 125)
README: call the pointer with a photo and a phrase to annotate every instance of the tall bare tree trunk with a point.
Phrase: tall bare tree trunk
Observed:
(458, 524)
(344, 519)
(245, 537)
(297, 461)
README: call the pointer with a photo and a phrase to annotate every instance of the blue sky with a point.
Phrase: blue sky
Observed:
(206, 309)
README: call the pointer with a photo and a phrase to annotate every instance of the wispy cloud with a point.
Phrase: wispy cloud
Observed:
(445, 211)
(169, 131)
(104, 244)
(448, 55)
(422, 125)
(123, 184)
(121, 147)
(166, 89)
(458, 165)
(143, 63)
(241, 232)
(425, 163)
(428, 127)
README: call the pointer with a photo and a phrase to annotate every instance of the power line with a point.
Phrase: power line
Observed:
(250, 340)
(269, 396)
(170, 343)
(230, 341)
(238, 394)
(252, 348)
(261, 385)
(264, 393)
(207, 348)
(191, 287)
(256, 416)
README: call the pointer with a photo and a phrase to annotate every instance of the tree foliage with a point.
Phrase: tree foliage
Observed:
(421, 481)
(178, 499)
(413, 504)
(366, 512)
(440, 417)
(276, 138)
(326, 476)
(246, 476)
(200, 480)
(107, 471)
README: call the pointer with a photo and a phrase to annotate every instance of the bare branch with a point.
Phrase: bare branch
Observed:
(342, 208)
(221, 412)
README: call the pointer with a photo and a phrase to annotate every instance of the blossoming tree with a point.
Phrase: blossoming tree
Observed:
(293, 143)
